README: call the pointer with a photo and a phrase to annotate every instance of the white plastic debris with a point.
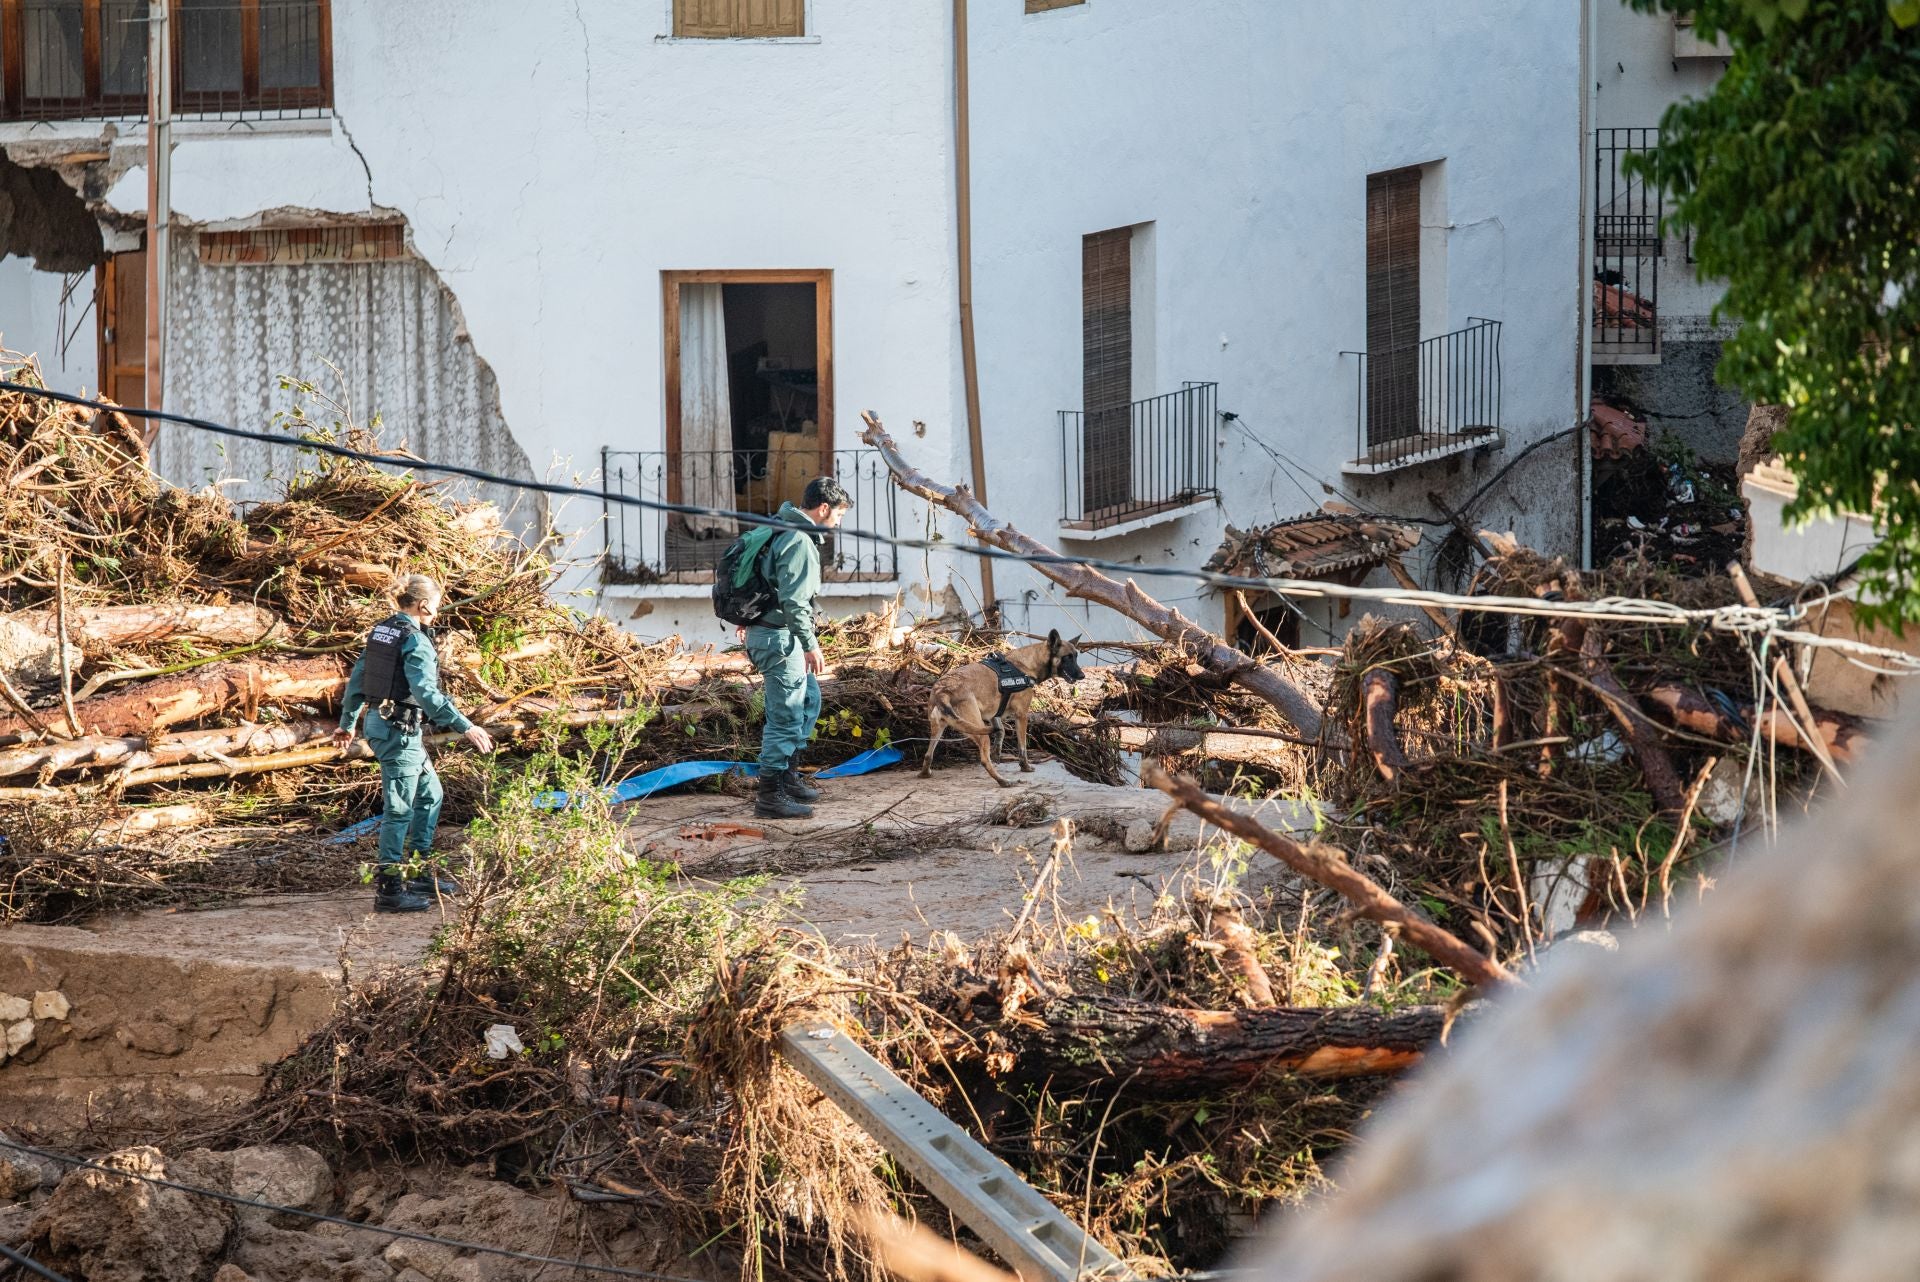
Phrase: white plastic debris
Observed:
(502, 1041)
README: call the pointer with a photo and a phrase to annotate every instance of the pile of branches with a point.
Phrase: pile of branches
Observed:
(1147, 1072)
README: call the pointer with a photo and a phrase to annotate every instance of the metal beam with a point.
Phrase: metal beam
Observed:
(983, 1192)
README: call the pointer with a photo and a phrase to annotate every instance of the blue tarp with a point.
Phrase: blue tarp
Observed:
(668, 777)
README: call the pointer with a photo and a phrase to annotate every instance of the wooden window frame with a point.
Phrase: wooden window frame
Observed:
(94, 102)
(821, 278)
(681, 26)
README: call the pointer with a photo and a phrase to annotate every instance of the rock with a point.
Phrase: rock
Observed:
(19, 1036)
(14, 1008)
(22, 1173)
(13, 1223)
(286, 1175)
(231, 1273)
(52, 1005)
(103, 1226)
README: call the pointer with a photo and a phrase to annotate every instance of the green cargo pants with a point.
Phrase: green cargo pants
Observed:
(793, 695)
(410, 792)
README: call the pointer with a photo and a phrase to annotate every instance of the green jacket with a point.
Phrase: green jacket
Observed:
(795, 566)
(422, 667)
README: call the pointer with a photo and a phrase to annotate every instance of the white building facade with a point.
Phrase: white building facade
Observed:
(1232, 260)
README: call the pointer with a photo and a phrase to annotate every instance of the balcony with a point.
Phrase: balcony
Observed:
(1427, 400)
(1129, 463)
(647, 546)
(238, 60)
(1627, 249)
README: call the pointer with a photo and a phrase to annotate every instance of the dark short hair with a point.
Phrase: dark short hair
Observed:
(827, 490)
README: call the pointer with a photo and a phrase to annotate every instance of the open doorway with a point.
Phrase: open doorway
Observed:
(749, 399)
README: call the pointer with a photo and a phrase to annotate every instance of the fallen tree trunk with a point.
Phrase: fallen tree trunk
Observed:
(1252, 745)
(1843, 736)
(1119, 1040)
(152, 706)
(1328, 866)
(146, 624)
(206, 754)
(1091, 585)
(1378, 691)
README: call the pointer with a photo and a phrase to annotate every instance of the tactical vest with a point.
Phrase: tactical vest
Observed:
(385, 678)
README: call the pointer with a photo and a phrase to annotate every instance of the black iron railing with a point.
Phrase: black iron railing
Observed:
(232, 60)
(645, 545)
(1429, 399)
(1123, 462)
(1627, 246)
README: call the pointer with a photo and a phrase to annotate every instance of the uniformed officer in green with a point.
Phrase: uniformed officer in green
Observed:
(397, 681)
(785, 651)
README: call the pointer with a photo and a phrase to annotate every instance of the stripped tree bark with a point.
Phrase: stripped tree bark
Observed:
(152, 706)
(1226, 933)
(1114, 1039)
(1379, 689)
(146, 624)
(1328, 866)
(1842, 735)
(1091, 585)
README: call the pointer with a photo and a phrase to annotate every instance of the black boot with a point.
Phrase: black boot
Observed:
(795, 785)
(774, 802)
(392, 895)
(427, 879)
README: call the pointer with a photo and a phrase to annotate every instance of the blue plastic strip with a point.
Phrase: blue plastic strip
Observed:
(353, 832)
(684, 772)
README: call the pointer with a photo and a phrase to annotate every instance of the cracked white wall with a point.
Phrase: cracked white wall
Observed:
(551, 162)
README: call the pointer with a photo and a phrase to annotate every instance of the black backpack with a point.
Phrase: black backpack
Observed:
(744, 593)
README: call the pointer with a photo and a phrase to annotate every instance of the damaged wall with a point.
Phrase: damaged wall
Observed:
(384, 337)
(44, 219)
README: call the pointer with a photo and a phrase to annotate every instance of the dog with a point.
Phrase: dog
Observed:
(976, 699)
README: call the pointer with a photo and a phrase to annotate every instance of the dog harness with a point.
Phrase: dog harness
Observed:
(1012, 680)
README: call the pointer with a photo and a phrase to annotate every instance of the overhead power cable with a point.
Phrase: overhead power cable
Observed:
(30, 1264)
(234, 1199)
(1615, 609)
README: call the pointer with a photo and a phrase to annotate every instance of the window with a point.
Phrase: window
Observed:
(734, 19)
(1393, 304)
(1041, 6)
(1106, 368)
(64, 59)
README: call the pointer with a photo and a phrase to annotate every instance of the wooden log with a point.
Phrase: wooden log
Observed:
(1089, 584)
(1842, 735)
(1114, 1039)
(1225, 932)
(152, 706)
(1328, 866)
(1379, 689)
(147, 624)
(1663, 781)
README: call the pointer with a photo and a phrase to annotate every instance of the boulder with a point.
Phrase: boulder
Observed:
(284, 1174)
(53, 1005)
(14, 1008)
(110, 1226)
(23, 1173)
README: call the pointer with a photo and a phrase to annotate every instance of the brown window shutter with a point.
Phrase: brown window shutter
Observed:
(704, 19)
(772, 18)
(1393, 305)
(1106, 311)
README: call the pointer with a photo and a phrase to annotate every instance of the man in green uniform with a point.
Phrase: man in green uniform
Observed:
(784, 650)
(397, 680)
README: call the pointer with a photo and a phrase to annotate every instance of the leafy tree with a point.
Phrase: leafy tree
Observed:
(1799, 177)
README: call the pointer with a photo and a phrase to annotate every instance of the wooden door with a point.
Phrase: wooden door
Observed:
(120, 303)
(1106, 445)
(1393, 305)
